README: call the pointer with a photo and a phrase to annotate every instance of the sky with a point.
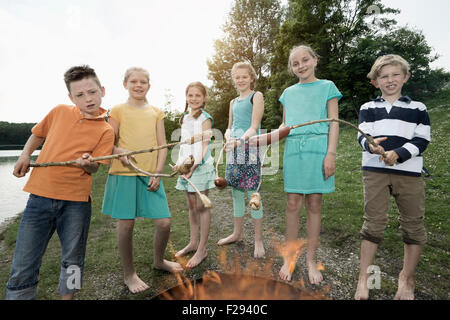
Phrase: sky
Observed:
(41, 39)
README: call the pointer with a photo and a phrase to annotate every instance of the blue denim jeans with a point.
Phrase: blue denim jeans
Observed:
(42, 216)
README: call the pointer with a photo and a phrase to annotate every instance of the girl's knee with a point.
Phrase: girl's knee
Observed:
(163, 224)
(126, 225)
(294, 204)
(313, 204)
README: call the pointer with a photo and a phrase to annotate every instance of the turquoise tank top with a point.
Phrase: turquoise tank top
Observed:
(242, 116)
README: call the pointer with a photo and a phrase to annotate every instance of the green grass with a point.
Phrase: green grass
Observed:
(341, 223)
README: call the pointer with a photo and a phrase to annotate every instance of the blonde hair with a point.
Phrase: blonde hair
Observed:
(389, 59)
(202, 88)
(250, 69)
(135, 69)
(303, 47)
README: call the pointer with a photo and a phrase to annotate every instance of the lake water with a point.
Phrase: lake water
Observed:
(12, 199)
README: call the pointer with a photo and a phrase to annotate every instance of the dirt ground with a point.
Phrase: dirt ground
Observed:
(341, 264)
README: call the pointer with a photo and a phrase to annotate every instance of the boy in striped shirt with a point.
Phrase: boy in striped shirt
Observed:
(401, 129)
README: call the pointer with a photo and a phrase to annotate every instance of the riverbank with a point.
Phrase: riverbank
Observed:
(12, 198)
(340, 242)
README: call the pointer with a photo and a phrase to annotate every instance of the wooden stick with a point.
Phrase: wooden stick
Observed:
(206, 135)
(369, 138)
(205, 200)
(262, 165)
(219, 159)
(152, 174)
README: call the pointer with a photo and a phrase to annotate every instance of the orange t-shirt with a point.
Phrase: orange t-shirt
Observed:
(68, 134)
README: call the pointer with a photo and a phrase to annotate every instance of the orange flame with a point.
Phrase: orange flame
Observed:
(320, 266)
(254, 282)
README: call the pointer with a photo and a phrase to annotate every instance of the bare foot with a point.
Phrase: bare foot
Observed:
(285, 273)
(362, 291)
(189, 248)
(230, 239)
(196, 259)
(405, 288)
(259, 250)
(315, 276)
(135, 284)
(169, 266)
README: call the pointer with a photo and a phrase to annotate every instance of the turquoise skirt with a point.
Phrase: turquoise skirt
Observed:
(127, 197)
(303, 164)
(202, 177)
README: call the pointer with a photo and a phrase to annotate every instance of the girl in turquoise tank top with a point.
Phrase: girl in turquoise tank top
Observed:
(243, 163)
(309, 154)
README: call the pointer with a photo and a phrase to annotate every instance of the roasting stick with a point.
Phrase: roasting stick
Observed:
(255, 199)
(205, 200)
(220, 182)
(281, 133)
(206, 135)
(152, 174)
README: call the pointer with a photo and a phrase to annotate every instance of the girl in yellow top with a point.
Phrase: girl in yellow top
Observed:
(130, 194)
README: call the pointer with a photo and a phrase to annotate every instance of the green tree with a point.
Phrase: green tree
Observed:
(249, 32)
(332, 28)
(14, 133)
(408, 43)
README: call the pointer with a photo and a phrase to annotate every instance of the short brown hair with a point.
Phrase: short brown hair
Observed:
(389, 59)
(78, 73)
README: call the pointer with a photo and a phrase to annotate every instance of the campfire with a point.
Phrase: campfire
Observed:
(255, 281)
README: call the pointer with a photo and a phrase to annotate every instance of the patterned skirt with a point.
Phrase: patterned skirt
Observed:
(243, 169)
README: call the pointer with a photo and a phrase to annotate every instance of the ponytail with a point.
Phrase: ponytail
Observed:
(184, 113)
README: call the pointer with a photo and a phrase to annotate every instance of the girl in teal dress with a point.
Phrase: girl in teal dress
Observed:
(243, 163)
(309, 154)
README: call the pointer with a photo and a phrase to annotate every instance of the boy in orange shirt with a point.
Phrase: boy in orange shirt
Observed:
(60, 195)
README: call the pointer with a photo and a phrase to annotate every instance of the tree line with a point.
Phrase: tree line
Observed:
(14, 135)
(348, 36)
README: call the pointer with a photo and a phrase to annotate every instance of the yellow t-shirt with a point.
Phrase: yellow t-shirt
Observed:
(137, 131)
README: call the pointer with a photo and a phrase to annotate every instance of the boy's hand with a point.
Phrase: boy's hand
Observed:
(22, 166)
(379, 149)
(329, 165)
(390, 158)
(153, 183)
(85, 162)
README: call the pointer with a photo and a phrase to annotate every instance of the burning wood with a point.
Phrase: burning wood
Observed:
(236, 283)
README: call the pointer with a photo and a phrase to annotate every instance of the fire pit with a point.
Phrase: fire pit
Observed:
(227, 286)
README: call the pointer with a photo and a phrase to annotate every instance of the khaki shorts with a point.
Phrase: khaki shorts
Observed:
(409, 194)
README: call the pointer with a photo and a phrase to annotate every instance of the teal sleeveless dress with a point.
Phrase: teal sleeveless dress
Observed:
(306, 147)
(243, 169)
